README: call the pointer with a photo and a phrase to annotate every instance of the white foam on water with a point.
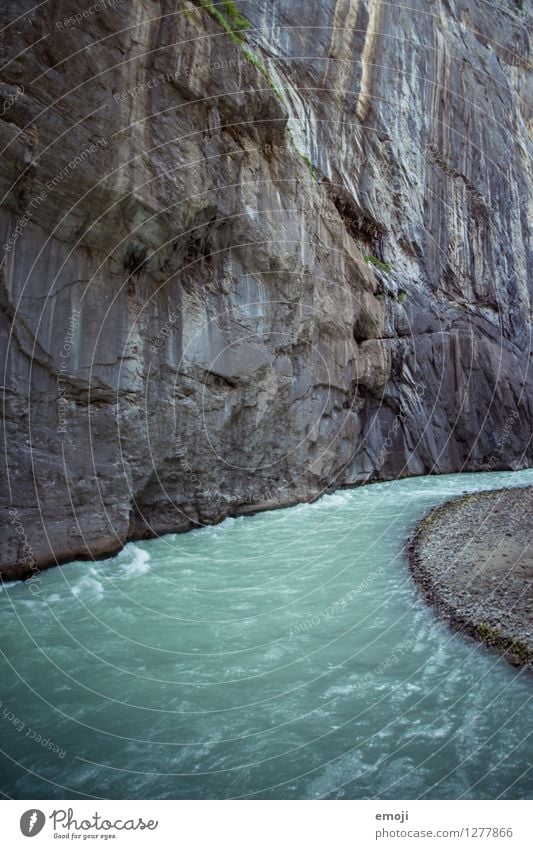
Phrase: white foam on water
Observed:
(335, 774)
(88, 585)
(219, 529)
(334, 499)
(4, 587)
(301, 508)
(338, 499)
(340, 690)
(54, 598)
(139, 563)
(134, 560)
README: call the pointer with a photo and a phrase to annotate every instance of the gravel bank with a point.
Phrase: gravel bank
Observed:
(473, 558)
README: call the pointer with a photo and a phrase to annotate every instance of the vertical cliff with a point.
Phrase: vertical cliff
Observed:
(253, 253)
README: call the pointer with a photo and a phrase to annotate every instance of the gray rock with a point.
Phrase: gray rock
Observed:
(189, 259)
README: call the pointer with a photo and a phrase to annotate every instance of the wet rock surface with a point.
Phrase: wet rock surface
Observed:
(473, 559)
(242, 269)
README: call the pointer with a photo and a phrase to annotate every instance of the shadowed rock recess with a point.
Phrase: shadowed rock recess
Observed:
(250, 255)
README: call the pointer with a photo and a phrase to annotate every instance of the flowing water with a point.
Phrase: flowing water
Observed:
(284, 655)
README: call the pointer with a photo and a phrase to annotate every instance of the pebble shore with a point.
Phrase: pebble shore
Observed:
(473, 559)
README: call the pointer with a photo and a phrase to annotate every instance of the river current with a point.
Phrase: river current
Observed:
(282, 655)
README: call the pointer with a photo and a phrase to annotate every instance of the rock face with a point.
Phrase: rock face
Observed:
(247, 259)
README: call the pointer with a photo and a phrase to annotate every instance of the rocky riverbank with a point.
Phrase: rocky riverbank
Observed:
(473, 559)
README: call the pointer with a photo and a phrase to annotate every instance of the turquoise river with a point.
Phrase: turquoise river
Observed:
(283, 655)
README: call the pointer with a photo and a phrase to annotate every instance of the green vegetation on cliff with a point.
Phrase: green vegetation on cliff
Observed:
(229, 18)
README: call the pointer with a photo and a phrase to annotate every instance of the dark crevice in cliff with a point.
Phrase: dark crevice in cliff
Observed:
(362, 227)
(215, 380)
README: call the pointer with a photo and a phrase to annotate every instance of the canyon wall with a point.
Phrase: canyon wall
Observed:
(253, 254)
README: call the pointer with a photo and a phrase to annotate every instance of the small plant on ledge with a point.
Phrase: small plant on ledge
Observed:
(257, 63)
(235, 24)
(373, 260)
(229, 18)
(310, 167)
